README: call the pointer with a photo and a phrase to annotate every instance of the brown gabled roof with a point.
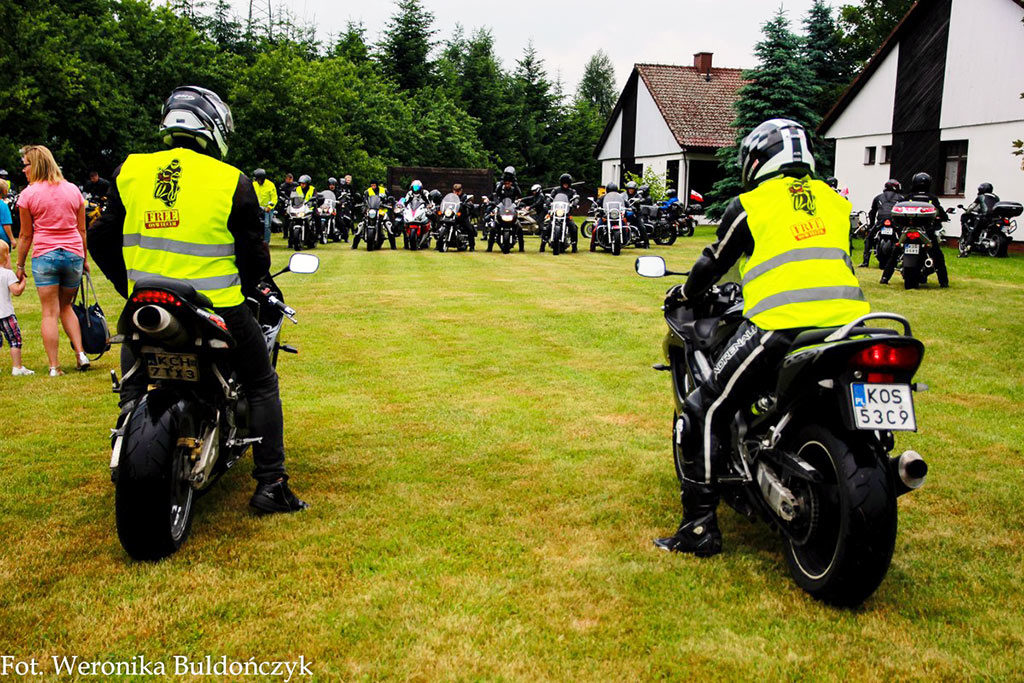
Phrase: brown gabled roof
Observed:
(699, 112)
(906, 25)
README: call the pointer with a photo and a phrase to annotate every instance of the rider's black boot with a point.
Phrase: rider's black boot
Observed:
(698, 533)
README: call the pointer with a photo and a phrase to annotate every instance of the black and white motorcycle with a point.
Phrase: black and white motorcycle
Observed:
(192, 424)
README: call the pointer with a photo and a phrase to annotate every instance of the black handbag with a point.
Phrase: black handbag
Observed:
(95, 332)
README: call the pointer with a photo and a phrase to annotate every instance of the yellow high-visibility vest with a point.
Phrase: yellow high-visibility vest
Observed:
(177, 204)
(266, 193)
(800, 274)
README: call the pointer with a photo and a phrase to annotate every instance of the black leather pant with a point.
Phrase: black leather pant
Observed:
(747, 364)
(257, 377)
(869, 243)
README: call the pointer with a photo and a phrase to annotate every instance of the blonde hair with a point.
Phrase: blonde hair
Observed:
(4, 187)
(5, 255)
(43, 165)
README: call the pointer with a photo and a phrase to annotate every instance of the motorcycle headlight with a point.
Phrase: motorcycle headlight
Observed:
(560, 213)
(506, 217)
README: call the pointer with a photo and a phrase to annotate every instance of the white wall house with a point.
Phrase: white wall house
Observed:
(941, 95)
(672, 120)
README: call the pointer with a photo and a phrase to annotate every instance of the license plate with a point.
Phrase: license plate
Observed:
(177, 366)
(887, 231)
(883, 407)
(912, 249)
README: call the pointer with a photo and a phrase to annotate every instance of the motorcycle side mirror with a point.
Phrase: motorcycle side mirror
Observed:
(304, 264)
(950, 211)
(651, 266)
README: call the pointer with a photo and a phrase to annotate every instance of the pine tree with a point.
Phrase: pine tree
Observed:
(486, 93)
(408, 41)
(598, 84)
(535, 114)
(824, 55)
(352, 44)
(781, 86)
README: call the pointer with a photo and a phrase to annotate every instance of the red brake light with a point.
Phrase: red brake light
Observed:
(914, 235)
(888, 222)
(218, 321)
(153, 296)
(886, 357)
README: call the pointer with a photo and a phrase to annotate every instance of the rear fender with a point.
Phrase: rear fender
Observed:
(156, 412)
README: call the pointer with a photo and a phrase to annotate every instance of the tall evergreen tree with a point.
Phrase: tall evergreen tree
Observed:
(485, 93)
(824, 54)
(352, 43)
(781, 86)
(598, 84)
(408, 41)
(867, 24)
(535, 112)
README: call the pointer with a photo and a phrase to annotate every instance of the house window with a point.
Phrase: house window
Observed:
(886, 154)
(869, 156)
(954, 156)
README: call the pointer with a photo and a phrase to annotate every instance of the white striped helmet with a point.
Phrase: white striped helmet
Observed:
(775, 147)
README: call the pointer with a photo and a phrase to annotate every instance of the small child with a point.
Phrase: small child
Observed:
(8, 321)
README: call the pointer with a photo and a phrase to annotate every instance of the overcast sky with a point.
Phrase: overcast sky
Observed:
(567, 33)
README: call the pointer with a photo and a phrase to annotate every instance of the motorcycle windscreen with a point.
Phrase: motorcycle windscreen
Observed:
(297, 200)
(560, 205)
(329, 199)
(613, 202)
(373, 202)
(451, 202)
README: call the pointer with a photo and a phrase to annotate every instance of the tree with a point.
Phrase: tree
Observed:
(598, 84)
(404, 54)
(824, 55)
(535, 115)
(867, 25)
(486, 94)
(781, 86)
(351, 44)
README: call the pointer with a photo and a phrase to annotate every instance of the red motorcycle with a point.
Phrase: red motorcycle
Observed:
(416, 217)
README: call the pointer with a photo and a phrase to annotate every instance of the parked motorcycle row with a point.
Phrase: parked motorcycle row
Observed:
(612, 224)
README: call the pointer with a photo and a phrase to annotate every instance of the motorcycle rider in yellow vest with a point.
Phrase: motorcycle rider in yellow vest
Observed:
(184, 214)
(266, 194)
(792, 232)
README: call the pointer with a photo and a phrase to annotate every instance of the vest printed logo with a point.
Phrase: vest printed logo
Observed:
(803, 198)
(808, 229)
(166, 218)
(167, 178)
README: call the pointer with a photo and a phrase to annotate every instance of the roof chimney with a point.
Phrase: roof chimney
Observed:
(702, 63)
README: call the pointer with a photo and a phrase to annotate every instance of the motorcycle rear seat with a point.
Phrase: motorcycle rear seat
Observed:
(182, 290)
(818, 335)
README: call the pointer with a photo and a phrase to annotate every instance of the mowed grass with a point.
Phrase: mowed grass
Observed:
(487, 453)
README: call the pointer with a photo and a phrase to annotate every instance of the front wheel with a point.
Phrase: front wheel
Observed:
(616, 245)
(153, 497)
(843, 551)
(664, 234)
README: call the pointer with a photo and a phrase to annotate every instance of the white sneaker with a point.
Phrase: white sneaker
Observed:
(56, 372)
(83, 361)
(21, 371)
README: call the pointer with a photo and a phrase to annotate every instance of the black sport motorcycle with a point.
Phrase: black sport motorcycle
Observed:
(992, 232)
(192, 424)
(809, 455)
(503, 226)
(885, 241)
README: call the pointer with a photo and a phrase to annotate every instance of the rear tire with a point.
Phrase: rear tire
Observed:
(911, 276)
(153, 503)
(847, 553)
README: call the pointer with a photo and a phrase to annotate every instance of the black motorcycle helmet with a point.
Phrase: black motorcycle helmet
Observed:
(669, 194)
(509, 173)
(611, 187)
(565, 179)
(921, 182)
(645, 190)
(259, 174)
(435, 196)
(332, 181)
(199, 115)
(893, 185)
(631, 188)
(985, 188)
(776, 147)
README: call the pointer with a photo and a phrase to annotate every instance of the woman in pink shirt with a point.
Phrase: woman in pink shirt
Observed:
(53, 221)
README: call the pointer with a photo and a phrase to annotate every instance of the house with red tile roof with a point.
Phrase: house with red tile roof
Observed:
(672, 119)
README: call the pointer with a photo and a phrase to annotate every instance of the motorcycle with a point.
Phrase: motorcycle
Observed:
(301, 233)
(885, 241)
(503, 227)
(913, 221)
(376, 222)
(611, 232)
(93, 208)
(449, 234)
(561, 237)
(810, 456)
(192, 424)
(328, 218)
(992, 234)
(416, 224)
(590, 220)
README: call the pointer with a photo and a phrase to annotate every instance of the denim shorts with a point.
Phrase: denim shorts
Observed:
(57, 267)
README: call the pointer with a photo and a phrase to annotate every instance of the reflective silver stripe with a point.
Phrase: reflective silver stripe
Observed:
(794, 255)
(176, 247)
(201, 283)
(728, 234)
(799, 296)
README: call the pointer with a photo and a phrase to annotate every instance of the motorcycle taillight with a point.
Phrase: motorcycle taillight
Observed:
(154, 296)
(888, 222)
(878, 357)
(914, 235)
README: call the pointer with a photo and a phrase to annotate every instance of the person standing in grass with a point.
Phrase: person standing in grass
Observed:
(6, 220)
(9, 330)
(53, 227)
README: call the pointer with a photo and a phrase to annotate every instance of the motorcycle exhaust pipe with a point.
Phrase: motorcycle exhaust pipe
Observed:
(158, 323)
(909, 471)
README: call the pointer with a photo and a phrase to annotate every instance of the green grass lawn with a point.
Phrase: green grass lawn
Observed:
(487, 455)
